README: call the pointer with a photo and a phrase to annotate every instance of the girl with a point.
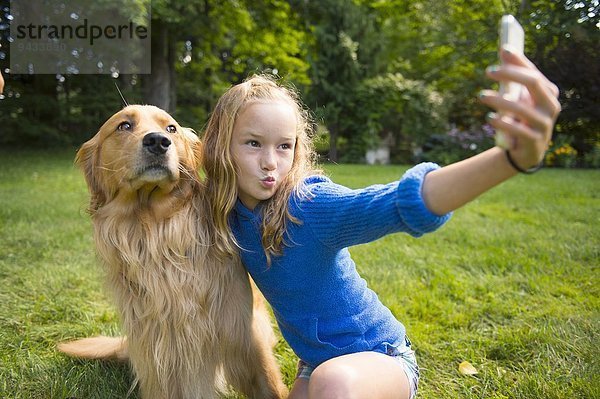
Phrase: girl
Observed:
(292, 226)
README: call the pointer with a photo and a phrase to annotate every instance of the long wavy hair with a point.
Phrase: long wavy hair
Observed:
(220, 170)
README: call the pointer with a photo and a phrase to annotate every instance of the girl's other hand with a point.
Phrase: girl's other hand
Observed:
(529, 121)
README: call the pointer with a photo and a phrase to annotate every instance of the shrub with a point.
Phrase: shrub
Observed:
(592, 158)
(561, 153)
(457, 144)
(390, 105)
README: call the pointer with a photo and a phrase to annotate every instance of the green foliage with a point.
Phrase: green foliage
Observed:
(456, 144)
(332, 50)
(43, 111)
(230, 41)
(592, 157)
(561, 153)
(406, 110)
(447, 44)
(215, 44)
(563, 32)
(342, 56)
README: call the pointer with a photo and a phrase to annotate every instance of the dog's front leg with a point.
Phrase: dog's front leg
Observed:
(248, 360)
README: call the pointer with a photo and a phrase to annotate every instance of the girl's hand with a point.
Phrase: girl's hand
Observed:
(529, 127)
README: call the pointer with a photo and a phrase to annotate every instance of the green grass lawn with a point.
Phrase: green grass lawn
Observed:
(510, 284)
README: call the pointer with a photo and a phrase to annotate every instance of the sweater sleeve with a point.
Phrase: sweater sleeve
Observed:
(341, 217)
(411, 205)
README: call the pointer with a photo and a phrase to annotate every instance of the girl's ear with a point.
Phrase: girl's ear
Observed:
(87, 160)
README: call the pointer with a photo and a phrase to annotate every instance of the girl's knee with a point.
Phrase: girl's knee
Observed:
(333, 381)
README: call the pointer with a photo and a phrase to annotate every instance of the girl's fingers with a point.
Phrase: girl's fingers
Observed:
(527, 121)
(512, 127)
(516, 133)
(509, 56)
(530, 115)
(541, 90)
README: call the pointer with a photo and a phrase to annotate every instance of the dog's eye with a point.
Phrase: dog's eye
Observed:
(171, 129)
(124, 126)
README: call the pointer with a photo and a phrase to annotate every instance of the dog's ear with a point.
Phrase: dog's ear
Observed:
(198, 150)
(87, 160)
(196, 147)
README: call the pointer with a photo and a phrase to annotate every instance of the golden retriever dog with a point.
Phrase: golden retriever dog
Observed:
(193, 329)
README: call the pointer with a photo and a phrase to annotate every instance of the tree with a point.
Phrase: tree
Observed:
(447, 44)
(171, 19)
(198, 50)
(236, 40)
(51, 110)
(335, 51)
(406, 110)
(564, 44)
(341, 57)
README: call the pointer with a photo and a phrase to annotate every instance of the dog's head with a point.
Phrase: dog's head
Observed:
(141, 151)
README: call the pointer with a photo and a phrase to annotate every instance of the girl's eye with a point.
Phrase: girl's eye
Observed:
(253, 143)
(287, 146)
(124, 126)
(171, 129)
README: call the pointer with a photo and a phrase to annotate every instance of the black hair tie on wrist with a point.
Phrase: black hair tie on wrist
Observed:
(521, 170)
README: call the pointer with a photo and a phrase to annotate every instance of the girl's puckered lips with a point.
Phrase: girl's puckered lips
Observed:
(268, 181)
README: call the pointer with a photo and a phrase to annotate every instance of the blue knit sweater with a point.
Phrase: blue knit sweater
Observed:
(323, 307)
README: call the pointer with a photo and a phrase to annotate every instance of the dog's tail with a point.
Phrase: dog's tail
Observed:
(101, 347)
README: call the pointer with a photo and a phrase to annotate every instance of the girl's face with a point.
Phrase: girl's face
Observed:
(262, 147)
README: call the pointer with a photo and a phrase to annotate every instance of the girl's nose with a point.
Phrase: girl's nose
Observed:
(268, 160)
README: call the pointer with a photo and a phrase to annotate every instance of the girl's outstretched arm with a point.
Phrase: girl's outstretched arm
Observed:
(528, 131)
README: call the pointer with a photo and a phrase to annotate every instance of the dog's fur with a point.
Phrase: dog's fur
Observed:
(189, 318)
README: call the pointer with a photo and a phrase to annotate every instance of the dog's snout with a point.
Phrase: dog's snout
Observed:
(156, 143)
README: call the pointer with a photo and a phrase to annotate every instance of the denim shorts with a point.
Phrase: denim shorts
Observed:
(403, 354)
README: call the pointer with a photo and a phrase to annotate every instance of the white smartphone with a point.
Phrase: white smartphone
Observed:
(512, 34)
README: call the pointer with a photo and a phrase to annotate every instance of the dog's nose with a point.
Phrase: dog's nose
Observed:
(156, 143)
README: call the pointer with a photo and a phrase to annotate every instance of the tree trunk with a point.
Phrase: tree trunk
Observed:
(523, 8)
(159, 86)
(333, 135)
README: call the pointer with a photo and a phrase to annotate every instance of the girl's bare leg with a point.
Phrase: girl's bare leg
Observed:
(358, 375)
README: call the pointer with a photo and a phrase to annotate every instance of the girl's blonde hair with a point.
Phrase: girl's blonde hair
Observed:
(221, 182)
